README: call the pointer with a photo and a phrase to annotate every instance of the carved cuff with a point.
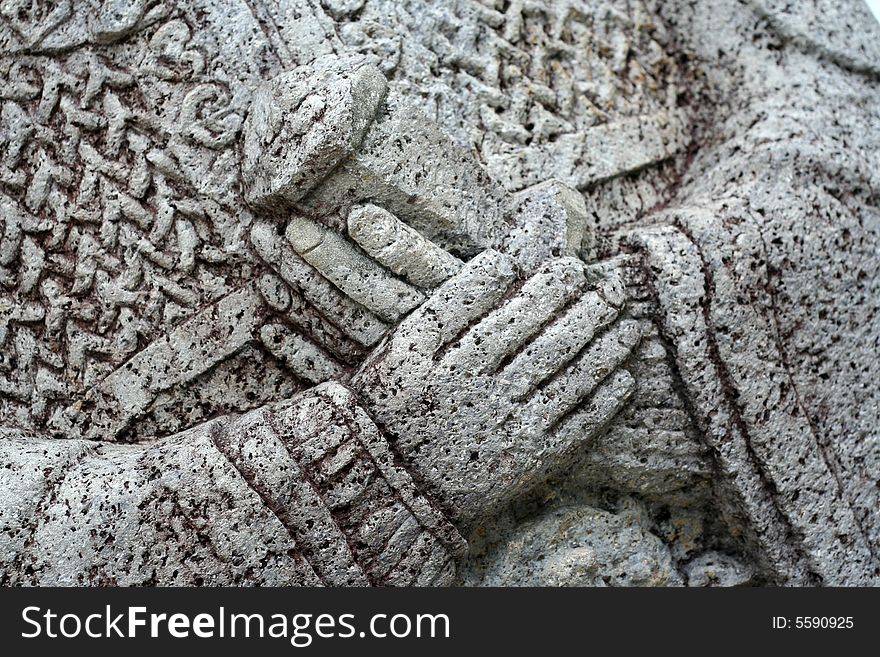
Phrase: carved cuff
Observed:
(322, 465)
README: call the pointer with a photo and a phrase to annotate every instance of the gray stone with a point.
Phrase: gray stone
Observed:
(409, 292)
(715, 569)
(513, 425)
(582, 546)
(303, 125)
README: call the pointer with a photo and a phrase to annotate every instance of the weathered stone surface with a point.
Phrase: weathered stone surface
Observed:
(714, 569)
(518, 412)
(410, 292)
(304, 124)
(582, 546)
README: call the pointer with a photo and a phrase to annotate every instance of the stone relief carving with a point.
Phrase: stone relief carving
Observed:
(416, 293)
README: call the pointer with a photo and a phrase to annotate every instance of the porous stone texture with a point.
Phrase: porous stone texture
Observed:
(582, 546)
(482, 292)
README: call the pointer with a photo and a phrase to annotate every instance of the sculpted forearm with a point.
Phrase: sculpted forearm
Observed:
(302, 493)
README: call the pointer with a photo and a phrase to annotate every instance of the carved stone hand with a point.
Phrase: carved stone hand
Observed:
(491, 385)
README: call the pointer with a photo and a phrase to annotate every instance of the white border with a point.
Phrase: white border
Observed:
(874, 6)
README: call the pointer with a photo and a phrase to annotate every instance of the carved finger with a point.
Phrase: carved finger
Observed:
(305, 359)
(401, 248)
(307, 320)
(559, 343)
(358, 323)
(608, 278)
(506, 329)
(359, 277)
(536, 456)
(584, 424)
(571, 385)
(474, 291)
(576, 430)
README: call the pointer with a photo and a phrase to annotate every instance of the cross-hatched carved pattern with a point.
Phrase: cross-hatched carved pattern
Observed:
(121, 218)
(529, 71)
(119, 207)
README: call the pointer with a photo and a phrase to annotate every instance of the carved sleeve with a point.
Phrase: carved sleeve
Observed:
(301, 493)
